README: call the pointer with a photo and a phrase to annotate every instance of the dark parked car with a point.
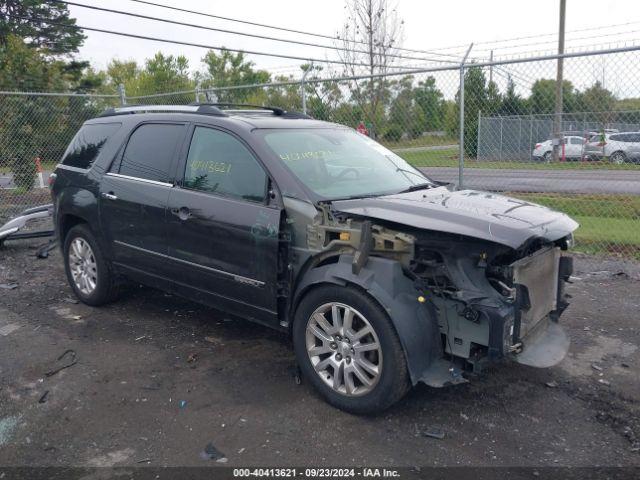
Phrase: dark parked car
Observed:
(382, 277)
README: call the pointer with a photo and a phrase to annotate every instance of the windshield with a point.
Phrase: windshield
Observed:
(341, 163)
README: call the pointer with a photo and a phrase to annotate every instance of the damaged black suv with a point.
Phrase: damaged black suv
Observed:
(382, 277)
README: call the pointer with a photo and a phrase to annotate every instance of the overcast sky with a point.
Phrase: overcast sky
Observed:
(428, 24)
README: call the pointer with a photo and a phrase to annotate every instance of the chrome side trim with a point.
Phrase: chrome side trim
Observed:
(143, 180)
(237, 278)
(70, 168)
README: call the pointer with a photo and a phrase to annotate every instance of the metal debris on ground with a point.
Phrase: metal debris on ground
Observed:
(604, 382)
(8, 286)
(43, 250)
(212, 453)
(552, 384)
(192, 358)
(74, 360)
(434, 433)
(9, 329)
(596, 367)
(43, 397)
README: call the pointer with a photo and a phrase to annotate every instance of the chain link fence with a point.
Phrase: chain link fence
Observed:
(497, 136)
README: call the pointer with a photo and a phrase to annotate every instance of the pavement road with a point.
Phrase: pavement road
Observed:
(520, 180)
(561, 181)
(160, 381)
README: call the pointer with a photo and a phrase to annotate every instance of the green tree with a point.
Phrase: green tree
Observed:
(41, 24)
(30, 124)
(543, 96)
(512, 103)
(431, 102)
(228, 69)
(476, 100)
(596, 98)
(161, 73)
(401, 110)
(493, 99)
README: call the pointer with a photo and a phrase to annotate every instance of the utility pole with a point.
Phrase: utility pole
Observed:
(461, 124)
(491, 67)
(557, 121)
(303, 91)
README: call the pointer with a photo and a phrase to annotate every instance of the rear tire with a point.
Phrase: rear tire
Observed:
(90, 275)
(618, 158)
(547, 157)
(355, 371)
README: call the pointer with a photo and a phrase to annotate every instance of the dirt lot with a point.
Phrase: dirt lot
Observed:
(157, 379)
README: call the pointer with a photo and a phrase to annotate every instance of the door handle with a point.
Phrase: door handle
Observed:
(183, 213)
(109, 196)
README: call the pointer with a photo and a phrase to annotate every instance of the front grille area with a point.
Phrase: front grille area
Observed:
(539, 274)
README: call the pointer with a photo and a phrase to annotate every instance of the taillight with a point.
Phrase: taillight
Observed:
(52, 178)
(538, 145)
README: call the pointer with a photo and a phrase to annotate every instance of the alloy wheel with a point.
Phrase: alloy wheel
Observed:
(344, 349)
(83, 266)
(617, 158)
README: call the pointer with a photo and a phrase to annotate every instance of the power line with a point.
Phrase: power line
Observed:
(589, 37)
(284, 29)
(200, 45)
(573, 48)
(234, 32)
(537, 35)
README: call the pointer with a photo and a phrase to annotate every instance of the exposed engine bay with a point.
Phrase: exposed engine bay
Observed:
(491, 300)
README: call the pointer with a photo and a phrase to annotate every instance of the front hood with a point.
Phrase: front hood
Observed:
(482, 215)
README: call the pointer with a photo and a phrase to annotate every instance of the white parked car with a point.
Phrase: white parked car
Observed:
(573, 148)
(618, 147)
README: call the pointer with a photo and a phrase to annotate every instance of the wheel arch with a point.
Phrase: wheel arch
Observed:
(66, 222)
(384, 280)
(73, 206)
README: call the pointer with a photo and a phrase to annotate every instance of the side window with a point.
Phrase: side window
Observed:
(219, 163)
(150, 151)
(576, 141)
(616, 138)
(87, 144)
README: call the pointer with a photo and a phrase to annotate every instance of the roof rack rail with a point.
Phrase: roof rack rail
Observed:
(202, 109)
(280, 112)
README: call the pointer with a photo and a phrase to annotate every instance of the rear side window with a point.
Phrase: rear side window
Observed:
(87, 144)
(150, 151)
(219, 163)
(616, 138)
(576, 141)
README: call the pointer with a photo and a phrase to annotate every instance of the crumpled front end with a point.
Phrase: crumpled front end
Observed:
(494, 302)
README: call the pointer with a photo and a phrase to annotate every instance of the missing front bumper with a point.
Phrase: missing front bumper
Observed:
(545, 346)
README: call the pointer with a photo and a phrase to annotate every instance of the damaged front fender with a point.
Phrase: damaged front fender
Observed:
(415, 322)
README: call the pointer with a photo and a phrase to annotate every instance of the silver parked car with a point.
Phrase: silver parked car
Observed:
(618, 147)
(573, 149)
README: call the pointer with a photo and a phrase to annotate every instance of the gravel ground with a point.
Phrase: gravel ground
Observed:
(158, 379)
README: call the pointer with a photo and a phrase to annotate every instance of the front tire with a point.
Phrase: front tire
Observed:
(88, 272)
(547, 157)
(348, 349)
